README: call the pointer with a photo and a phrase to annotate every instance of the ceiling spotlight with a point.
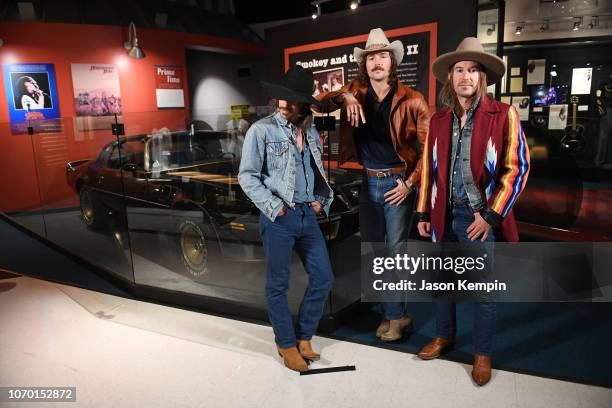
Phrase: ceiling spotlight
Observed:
(132, 44)
(354, 4)
(519, 28)
(545, 26)
(553, 71)
(577, 24)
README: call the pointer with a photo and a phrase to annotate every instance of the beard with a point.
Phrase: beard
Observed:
(466, 91)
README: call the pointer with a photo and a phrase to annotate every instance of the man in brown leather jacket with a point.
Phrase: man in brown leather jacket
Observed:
(388, 121)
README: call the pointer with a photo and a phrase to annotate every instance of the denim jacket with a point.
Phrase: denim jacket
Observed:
(267, 167)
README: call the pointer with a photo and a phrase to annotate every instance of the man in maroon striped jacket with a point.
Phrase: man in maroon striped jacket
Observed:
(474, 166)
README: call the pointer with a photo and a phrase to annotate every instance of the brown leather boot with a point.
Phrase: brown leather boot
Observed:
(382, 327)
(481, 373)
(434, 348)
(306, 350)
(397, 328)
(292, 358)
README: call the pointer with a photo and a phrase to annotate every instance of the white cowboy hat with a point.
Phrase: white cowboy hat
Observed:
(470, 49)
(377, 41)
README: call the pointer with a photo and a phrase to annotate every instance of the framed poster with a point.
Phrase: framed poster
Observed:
(97, 96)
(32, 97)
(169, 87)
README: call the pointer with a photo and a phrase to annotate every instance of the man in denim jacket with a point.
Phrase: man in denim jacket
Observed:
(282, 173)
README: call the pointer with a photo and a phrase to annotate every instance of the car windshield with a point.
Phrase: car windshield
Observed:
(170, 151)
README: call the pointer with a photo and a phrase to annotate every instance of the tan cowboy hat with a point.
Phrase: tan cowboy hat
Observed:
(377, 41)
(470, 49)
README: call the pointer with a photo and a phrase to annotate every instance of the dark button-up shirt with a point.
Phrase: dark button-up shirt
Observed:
(373, 138)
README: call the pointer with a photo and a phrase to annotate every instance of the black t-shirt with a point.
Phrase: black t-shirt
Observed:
(373, 139)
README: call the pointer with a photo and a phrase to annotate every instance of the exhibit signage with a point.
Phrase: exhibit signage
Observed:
(333, 64)
(169, 88)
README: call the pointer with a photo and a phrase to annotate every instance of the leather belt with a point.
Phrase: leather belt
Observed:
(460, 203)
(385, 173)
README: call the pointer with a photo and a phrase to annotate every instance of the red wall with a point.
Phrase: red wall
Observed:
(24, 159)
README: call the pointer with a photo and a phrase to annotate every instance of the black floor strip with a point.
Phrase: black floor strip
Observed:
(328, 370)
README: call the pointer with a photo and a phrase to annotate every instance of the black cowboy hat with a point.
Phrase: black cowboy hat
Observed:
(297, 86)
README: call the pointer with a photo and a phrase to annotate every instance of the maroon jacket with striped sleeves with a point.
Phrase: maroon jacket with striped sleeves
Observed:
(499, 159)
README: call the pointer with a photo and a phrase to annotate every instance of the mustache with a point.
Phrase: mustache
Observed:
(377, 69)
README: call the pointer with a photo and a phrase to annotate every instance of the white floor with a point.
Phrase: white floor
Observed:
(124, 353)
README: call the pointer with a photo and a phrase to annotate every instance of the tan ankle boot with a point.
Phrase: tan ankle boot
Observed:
(434, 348)
(397, 328)
(382, 327)
(292, 359)
(306, 350)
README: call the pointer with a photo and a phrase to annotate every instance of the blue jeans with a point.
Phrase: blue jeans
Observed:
(485, 313)
(382, 222)
(298, 229)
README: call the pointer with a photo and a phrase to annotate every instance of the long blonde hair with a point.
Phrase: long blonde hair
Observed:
(448, 96)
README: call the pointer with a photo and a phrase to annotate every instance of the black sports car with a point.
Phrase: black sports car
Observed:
(184, 184)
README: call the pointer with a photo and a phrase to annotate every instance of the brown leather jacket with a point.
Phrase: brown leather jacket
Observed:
(409, 125)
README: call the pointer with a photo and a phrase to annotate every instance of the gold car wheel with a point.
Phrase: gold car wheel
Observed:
(193, 248)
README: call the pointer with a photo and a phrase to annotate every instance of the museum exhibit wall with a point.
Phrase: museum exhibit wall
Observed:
(455, 20)
(232, 79)
(66, 44)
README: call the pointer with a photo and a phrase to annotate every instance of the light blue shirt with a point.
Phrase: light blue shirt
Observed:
(304, 174)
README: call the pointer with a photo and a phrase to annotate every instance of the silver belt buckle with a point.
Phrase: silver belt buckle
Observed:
(381, 174)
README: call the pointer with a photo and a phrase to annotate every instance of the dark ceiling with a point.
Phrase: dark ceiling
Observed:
(252, 12)
(226, 18)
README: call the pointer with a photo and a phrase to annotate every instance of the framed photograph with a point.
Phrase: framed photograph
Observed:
(521, 103)
(536, 71)
(557, 117)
